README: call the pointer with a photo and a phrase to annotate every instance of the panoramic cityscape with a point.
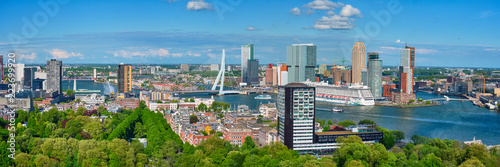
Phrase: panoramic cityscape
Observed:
(249, 83)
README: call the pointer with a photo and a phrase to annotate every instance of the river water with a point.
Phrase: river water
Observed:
(453, 120)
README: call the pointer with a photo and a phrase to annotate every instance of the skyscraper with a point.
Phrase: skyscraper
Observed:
(124, 74)
(301, 61)
(406, 69)
(358, 61)
(1, 65)
(269, 75)
(29, 75)
(247, 52)
(54, 76)
(375, 74)
(253, 72)
(296, 114)
(18, 76)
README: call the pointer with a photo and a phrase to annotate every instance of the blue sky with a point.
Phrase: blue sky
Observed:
(445, 33)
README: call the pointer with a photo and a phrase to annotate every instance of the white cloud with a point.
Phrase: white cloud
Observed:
(330, 13)
(198, 5)
(399, 41)
(31, 56)
(211, 55)
(323, 5)
(491, 49)
(390, 48)
(62, 54)
(349, 11)
(250, 28)
(151, 52)
(193, 54)
(295, 11)
(425, 51)
(333, 22)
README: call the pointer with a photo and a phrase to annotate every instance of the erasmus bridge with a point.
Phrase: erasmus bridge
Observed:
(221, 76)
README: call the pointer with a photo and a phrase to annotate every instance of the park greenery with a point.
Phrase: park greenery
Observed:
(75, 138)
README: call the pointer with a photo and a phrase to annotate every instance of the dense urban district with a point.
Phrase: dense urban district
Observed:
(150, 115)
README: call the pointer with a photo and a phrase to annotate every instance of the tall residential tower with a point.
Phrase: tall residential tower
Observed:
(375, 75)
(358, 61)
(406, 69)
(54, 76)
(124, 74)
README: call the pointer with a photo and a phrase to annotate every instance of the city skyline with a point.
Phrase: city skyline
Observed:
(175, 32)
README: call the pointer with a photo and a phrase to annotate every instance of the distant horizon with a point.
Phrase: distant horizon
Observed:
(147, 64)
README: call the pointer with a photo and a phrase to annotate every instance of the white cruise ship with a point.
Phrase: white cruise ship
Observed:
(344, 95)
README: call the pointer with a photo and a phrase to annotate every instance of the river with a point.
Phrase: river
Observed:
(453, 120)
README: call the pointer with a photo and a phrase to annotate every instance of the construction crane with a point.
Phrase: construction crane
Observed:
(343, 62)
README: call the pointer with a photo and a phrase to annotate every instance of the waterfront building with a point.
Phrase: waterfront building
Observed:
(124, 74)
(301, 62)
(387, 90)
(253, 72)
(375, 74)
(406, 69)
(341, 77)
(249, 65)
(364, 76)
(358, 61)
(54, 76)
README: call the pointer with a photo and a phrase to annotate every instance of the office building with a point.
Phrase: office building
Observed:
(275, 76)
(358, 61)
(301, 62)
(214, 67)
(29, 76)
(269, 75)
(282, 74)
(184, 67)
(296, 114)
(124, 74)
(375, 75)
(54, 76)
(247, 53)
(252, 77)
(19, 73)
(1, 66)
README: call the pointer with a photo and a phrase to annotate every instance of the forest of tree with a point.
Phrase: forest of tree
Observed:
(67, 138)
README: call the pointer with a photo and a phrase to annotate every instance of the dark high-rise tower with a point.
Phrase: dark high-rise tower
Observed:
(296, 114)
(124, 74)
(29, 75)
(54, 76)
(1, 65)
